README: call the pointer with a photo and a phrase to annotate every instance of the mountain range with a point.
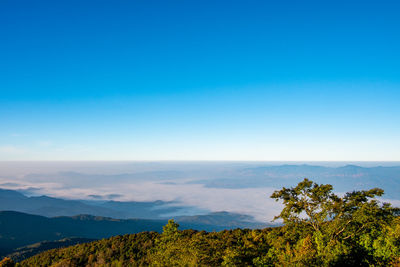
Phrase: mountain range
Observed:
(28, 220)
(344, 178)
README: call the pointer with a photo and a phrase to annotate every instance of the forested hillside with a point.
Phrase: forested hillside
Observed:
(16, 228)
(24, 252)
(20, 229)
(320, 229)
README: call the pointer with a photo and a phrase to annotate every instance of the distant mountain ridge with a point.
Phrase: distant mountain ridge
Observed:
(20, 214)
(230, 220)
(20, 229)
(343, 178)
(11, 200)
(51, 207)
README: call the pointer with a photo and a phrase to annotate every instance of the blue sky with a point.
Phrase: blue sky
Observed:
(200, 80)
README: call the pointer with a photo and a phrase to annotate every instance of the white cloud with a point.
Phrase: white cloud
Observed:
(250, 201)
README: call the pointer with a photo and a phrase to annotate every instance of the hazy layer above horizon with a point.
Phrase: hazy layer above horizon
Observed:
(199, 187)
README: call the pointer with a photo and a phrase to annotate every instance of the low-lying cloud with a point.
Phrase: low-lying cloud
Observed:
(251, 201)
(174, 186)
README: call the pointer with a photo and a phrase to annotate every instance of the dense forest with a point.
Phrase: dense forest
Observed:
(320, 229)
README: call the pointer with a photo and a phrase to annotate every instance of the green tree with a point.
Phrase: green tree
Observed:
(7, 262)
(170, 228)
(342, 227)
(314, 205)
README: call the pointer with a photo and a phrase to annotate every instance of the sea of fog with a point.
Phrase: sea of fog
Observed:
(197, 187)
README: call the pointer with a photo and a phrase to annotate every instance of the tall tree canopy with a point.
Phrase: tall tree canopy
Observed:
(334, 223)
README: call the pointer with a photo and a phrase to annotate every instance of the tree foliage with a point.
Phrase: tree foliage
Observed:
(343, 228)
(7, 262)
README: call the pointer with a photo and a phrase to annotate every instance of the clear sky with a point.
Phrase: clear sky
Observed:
(199, 80)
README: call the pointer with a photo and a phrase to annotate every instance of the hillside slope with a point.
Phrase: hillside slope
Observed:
(21, 229)
(188, 247)
(33, 249)
(279, 246)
